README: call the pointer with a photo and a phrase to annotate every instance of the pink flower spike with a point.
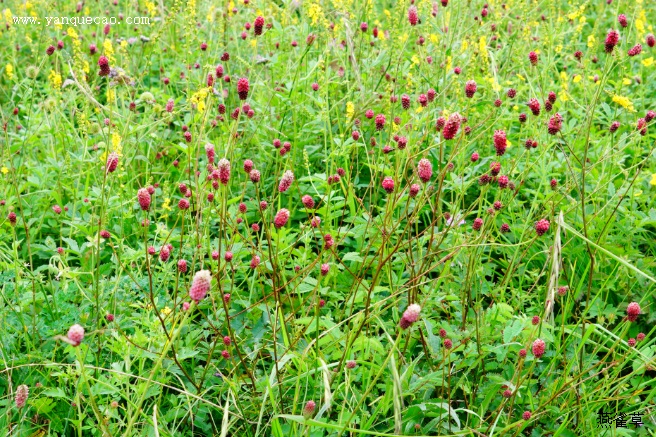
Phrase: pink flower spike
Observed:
(201, 285)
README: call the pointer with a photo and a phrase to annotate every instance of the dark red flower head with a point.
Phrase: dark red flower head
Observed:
(242, 88)
(103, 63)
(413, 18)
(380, 122)
(635, 50)
(405, 101)
(621, 18)
(258, 24)
(500, 143)
(542, 226)
(533, 57)
(650, 40)
(470, 88)
(451, 126)
(534, 106)
(633, 311)
(612, 38)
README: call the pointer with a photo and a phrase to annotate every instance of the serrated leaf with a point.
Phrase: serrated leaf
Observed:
(352, 256)
(512, 330)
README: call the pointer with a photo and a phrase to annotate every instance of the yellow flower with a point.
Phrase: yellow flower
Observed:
(4, 170)
(648, 62)
(166, 311)
(591, 41)
(520, 77)
(116, 143)
(626, 81)
(71, 32)
(577, 78)
(198, 98)
(465, 44)
(653, 180)
(350, 110)
(624, 102)
(482, 47)
(314, 12)
(563, 96)
(419, 109)
(55, 79)
(167, 204)
(150, 7)
(108, 49)
(9, 70)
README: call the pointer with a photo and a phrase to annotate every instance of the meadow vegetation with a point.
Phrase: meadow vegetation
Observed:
(328, 218)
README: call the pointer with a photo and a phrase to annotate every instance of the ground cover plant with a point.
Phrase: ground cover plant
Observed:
(327, 218)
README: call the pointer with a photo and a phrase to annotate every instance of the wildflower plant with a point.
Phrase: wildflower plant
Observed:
(330, 217)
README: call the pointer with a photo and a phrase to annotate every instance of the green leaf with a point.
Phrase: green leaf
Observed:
(512, 330)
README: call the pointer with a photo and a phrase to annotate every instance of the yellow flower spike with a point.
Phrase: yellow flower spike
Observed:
(623, 102)
(350, 109)
(482, 47)
(116, 143)
(55, 79)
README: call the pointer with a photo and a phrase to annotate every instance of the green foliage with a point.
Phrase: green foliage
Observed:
(320, 306)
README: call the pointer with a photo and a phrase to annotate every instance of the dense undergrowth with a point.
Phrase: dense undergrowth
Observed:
(334, 217)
